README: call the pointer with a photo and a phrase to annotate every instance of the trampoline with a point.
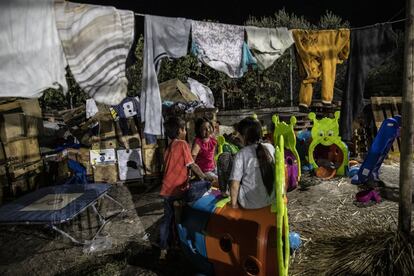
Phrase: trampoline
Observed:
(54, 205)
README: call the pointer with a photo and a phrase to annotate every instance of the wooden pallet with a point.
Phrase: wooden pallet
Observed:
(321, 110)
(383, 108)
(302, 120)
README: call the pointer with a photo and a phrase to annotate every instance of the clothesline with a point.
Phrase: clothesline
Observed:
(354, 28)
(389, 22)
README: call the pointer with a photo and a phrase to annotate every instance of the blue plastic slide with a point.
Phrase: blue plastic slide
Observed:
(389, 130)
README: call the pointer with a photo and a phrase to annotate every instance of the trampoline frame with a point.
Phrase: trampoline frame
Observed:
(102, 220)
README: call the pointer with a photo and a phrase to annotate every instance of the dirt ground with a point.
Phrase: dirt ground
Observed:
(319, 210)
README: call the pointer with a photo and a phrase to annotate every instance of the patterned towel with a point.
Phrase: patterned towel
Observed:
(219, 46)
(96, 41)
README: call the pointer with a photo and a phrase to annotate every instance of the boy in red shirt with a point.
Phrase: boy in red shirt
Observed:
(177, 160)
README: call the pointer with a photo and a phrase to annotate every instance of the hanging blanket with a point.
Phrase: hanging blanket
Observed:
(31, 57)
(96, 41)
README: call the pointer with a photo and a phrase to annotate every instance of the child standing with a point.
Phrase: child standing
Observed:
(204, 146)
(178, 161)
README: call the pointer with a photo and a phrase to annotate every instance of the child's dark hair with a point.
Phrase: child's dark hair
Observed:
(199, 122)
(251, 130)
(172, 126)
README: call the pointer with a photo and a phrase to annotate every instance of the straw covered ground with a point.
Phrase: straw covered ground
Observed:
(343, 237)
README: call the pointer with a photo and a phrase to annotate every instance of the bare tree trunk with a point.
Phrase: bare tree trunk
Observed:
(406, 179)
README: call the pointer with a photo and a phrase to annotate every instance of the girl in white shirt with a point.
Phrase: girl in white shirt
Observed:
(252, 176)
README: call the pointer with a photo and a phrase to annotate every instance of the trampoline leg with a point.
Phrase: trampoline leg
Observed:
(66, 235)
(116, 202)
(101, 218)
(102, 221)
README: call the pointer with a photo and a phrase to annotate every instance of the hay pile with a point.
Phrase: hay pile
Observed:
(341, 237)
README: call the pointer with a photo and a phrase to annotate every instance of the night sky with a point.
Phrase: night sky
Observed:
(358, 13)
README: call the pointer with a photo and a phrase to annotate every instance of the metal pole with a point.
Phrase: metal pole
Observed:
(406, 155)
(291, 73)
(222, 99)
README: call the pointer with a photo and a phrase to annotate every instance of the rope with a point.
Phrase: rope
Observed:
(356, 28)
(373, 25)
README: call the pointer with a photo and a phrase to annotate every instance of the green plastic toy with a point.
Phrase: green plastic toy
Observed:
(326, 132)
(282, 128)
(224, 146)
(282, 223)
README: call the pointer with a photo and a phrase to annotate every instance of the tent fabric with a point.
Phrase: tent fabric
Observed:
(96, 41)
(163, 37)
(31, 58)
(31, 208)
(219, 46)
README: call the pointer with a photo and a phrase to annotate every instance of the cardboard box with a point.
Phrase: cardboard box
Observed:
(107, 127)
(84, 158)
(152, 156)
(57, 171)
(25, 184)
(110, 143)
(2, 170)
(32, 125)
(102, 156)
(131, 141)
(2, 155)
(4, 183)
(107, 173)
(12, 126)
(16, 171)
(21, 151)
(18, 187)
(31, 107)
(1, 190)
(130, 164)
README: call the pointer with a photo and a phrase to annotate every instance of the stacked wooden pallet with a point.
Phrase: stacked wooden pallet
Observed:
(302, 120)
(324, 110)
(20, 160)
(360, 140)
(383, 108)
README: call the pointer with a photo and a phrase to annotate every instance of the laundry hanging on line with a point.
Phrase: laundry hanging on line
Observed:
(370, 47)
(96, 41)
(31, 57)
(219, 46)
(163, 37)
(319, 51)
(268, 44)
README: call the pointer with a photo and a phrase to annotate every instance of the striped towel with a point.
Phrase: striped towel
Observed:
(96, 41)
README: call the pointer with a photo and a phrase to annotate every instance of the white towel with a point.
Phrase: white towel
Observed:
(31, 55)
(163, 37)
(96, 41)
(219, 46)
(268, 44)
